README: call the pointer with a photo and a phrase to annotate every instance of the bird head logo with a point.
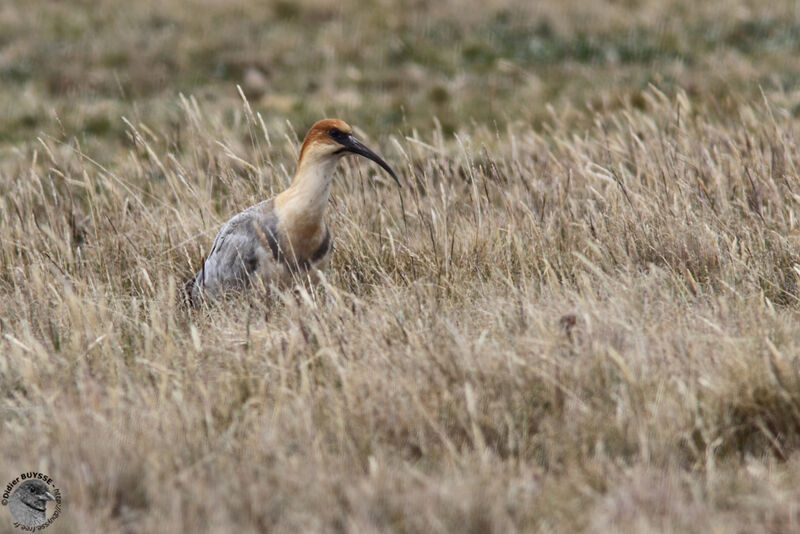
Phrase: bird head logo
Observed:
(28, 501)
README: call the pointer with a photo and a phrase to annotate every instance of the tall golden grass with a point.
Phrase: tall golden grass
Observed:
(565, 330)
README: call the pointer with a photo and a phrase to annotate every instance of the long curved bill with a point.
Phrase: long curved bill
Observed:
(351, 144)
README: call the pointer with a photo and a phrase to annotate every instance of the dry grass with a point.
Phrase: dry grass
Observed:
(590, 324)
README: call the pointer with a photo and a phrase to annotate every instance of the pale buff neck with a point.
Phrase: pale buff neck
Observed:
(302, 206)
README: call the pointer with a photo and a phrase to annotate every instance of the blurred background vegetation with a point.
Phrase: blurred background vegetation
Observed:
(73, 68)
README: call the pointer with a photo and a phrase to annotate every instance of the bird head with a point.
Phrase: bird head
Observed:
(34, 494)
(330, 139)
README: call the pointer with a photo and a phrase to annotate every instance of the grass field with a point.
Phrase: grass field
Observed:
(585, 319)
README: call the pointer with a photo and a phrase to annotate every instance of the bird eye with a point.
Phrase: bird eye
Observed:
(337, 135)
(32, 489)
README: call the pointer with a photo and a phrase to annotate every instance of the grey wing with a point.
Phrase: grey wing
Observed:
(241, 247)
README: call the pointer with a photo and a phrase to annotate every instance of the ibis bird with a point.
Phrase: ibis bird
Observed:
(284, 238)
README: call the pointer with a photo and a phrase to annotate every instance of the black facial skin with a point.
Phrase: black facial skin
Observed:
(353, 145)
(337, 135)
